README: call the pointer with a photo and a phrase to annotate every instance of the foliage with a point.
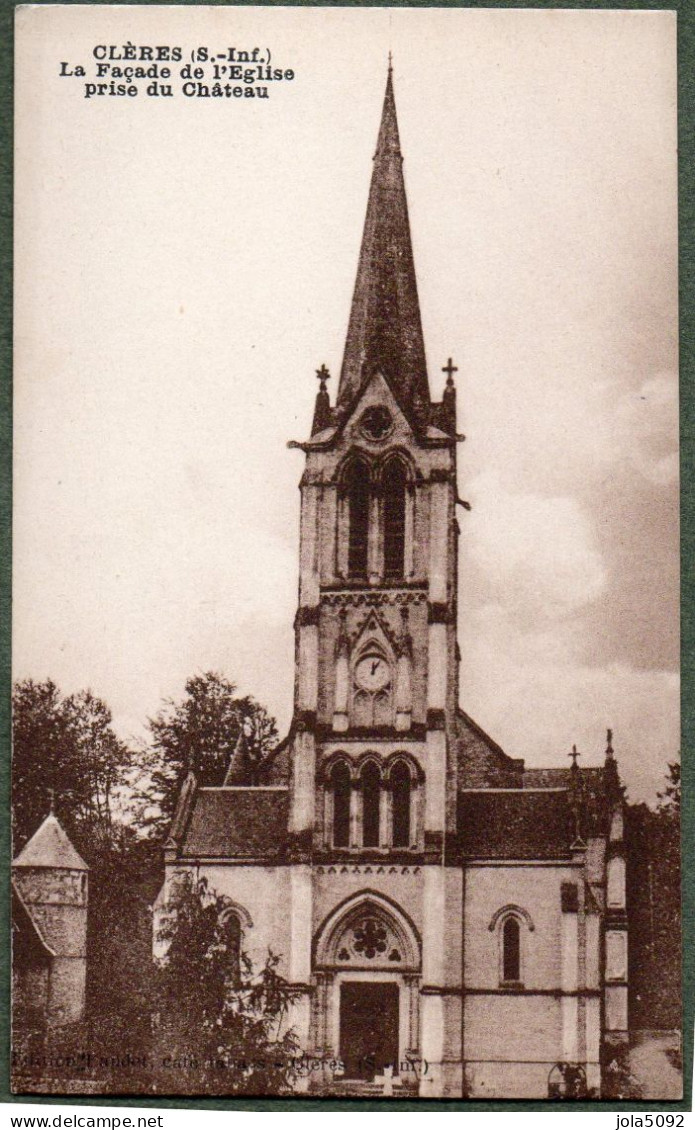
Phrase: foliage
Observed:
(66, 753)
(199, 733)
(567, 1081)
(66, 749)
(618, 1081)
(654, 901)
(670, 798)
(123, 884)
(221, 1027)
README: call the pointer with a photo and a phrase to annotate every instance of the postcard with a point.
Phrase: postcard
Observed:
(346, 554)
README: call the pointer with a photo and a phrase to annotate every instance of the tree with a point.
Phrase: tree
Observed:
(67, 755)
(670, 798)
(123, 885)
(65, 752)
(199, 734)
(654, 906)
(221, 1028)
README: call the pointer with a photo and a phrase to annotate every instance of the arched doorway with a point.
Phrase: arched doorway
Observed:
(367, 973)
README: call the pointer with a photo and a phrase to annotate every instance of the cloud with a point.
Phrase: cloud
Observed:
(166, 345)
(647, 429)
(540, 551)
(529, 691)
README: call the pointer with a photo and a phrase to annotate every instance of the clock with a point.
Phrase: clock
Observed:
(372, 673)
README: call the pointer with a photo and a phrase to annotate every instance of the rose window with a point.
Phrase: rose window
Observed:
(376, 423)
(370, 938)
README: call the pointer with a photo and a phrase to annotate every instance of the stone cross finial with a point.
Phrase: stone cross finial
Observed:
(576, 799)
(609, 743)
(450, 369)
(323, 375)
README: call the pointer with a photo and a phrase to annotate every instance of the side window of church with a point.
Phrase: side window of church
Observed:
(511, 950)
(394, 487)
(340, 780)
(358, 510)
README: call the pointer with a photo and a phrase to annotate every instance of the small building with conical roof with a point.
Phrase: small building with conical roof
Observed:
(49, 923)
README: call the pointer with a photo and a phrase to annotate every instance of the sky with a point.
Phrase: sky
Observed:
(184, 265)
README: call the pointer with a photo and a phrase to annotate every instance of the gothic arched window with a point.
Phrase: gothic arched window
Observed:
(511, 949)
(383, 713)
(371, 793)
(394, 485)
(400, 801)
(340, 781)
(357, 489)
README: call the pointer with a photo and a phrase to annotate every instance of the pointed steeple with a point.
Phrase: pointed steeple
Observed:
(385, 331)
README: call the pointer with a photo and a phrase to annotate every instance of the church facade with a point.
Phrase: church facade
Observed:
(454, 922)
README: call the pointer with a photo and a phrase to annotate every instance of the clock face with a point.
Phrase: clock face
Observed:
(372, 673)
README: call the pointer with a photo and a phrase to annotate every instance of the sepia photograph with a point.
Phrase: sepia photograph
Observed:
(346, 687)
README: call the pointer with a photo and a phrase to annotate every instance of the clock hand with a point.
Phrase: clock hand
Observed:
(375, 664)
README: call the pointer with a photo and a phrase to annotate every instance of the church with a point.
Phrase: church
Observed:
(454, 922)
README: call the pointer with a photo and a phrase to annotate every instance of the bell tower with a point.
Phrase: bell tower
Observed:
(376, 679)
(432, 900)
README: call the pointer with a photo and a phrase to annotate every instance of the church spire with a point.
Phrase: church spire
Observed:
(385, 331)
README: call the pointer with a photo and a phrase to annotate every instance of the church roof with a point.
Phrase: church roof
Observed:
(561, 778)
(592, 792)
(50, 847)
(233, 823)
(515, 823)
(385, 330)
(534, 819)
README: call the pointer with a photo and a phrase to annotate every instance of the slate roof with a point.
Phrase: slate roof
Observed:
(385, 330)
(548, 778)
(515, 824)
(50, 847)
(536, 820)
(592, 785)
(237, 823)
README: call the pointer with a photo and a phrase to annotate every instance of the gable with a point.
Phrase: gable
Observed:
(374, 392)
(481, 762)
(374, 633)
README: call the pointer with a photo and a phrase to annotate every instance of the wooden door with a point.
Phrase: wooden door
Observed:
(368, 1028)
